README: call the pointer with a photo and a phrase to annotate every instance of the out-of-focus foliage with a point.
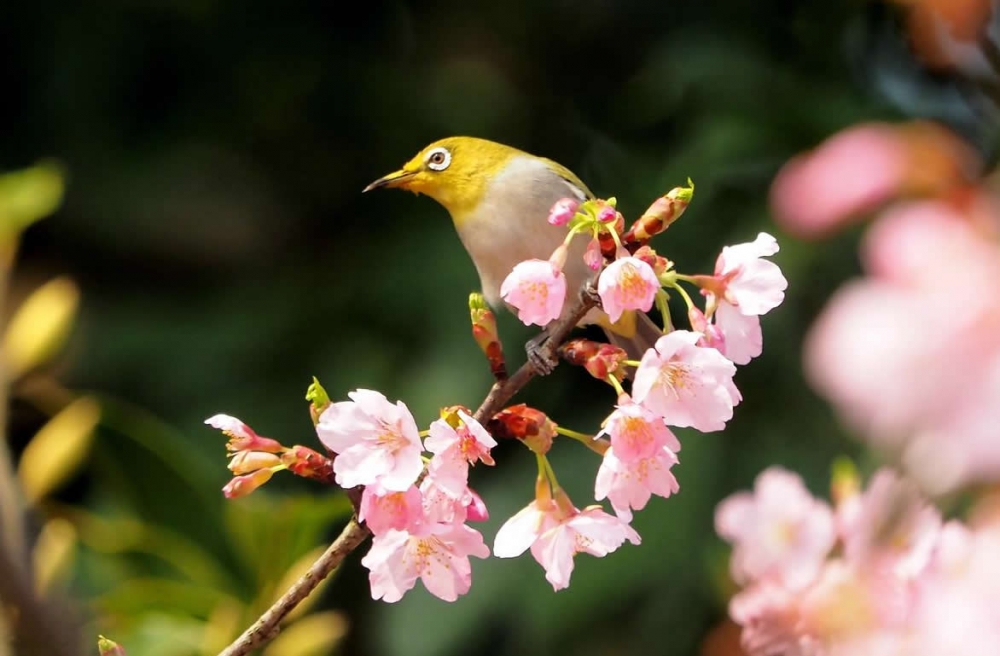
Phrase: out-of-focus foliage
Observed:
(224, 254)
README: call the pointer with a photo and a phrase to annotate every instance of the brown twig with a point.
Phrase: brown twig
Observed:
(268, 625)
(46, 626)
(503, 391)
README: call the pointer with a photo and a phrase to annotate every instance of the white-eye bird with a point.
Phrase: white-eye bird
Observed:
(499, 199)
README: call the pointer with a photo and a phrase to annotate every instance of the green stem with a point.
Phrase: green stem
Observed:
(614, 382)
(576, 435)
(684, 295)
(545, 467)
(664, 308)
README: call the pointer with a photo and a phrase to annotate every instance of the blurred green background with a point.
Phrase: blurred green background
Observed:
(213, 222)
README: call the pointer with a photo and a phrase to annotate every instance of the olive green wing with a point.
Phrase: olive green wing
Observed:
(568, 176)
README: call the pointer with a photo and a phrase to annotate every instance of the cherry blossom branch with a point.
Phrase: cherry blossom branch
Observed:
(503, 390)
(267, 626)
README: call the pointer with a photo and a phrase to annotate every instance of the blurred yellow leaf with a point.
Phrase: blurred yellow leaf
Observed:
(29, 195)
(40, 325)
(56, 451)
(311, 636)
(222, 627)
(294, 573)
(53, 553)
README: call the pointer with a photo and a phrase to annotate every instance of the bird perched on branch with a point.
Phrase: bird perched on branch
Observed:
(499, 198)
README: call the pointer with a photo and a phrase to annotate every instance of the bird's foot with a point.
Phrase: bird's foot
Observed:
(589, 293)
(540, 357)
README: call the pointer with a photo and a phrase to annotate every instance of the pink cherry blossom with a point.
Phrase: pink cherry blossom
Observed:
(628, 283)
(629, 484)
(555, 536)
(447, 502)
(438, 555)
(522, 530)
(751, 283)
(537, 290)
(383, 509)
(779, 531)
(636, 433)
(454, 450)
(686, 384)
(469, 441)
(563, 211)
(375, 441)
(743, 339)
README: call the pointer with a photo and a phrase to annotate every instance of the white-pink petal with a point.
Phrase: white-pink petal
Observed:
(537, 290)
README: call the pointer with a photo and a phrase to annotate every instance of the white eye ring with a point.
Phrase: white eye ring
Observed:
(438, 159)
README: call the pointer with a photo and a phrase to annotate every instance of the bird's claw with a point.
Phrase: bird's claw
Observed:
(540, 357)
(589, 293)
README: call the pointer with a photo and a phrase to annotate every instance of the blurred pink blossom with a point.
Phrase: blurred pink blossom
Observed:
(851, 173)
(894, 582)
(911, 355)
(780, 531)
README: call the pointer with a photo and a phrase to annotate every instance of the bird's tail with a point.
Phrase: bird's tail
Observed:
(635, 334)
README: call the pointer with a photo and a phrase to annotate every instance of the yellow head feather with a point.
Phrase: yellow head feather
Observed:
(457, 172)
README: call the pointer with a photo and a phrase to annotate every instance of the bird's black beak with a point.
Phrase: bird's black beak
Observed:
(396, 179)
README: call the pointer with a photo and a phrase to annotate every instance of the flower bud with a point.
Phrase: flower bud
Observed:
(475, 510)
(484, 331)
(318, 399)
(531, 426)
(600, 359)
(663, 212)
(563, 211)
(307, 463)
(609, 247)
(245, 462)
(241, 486)
(242, 437)
(109, 647)
(659, 263)
(845, 483)
(592, 256)
(712, 335)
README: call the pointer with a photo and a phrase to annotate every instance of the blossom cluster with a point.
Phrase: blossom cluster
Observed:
(634, 277)
(413, 484)
(878, 572)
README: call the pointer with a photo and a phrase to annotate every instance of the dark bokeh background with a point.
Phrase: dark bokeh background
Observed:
(214, 222)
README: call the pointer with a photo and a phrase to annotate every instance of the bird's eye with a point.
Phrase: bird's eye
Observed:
(438, 159)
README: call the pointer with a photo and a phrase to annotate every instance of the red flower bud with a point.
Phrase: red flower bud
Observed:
(531, 426)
